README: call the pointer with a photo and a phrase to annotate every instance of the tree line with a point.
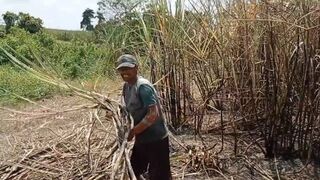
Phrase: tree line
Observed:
(22, 20)
(110, 11)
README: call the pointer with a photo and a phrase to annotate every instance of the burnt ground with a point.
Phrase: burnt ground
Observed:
(192, 157)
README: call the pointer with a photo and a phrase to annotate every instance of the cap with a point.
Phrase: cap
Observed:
(126, 60)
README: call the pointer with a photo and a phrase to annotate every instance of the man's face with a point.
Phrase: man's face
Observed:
(128, 74)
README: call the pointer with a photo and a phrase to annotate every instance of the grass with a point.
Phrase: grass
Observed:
(15, 83)
(67, 35)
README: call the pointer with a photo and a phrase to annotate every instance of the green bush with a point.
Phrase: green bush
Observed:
(23, 84)
(21, 41)
(2, 33)
(72, 60)
(80, 59)
(45, 40)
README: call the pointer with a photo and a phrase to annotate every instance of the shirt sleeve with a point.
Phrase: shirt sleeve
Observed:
(147, 95)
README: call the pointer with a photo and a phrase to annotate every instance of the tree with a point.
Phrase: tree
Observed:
(29, 23)
(116, 9)
(10, 19)
(100, 17)
(87, 15)
(23, 20)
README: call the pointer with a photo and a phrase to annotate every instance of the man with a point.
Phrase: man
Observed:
(151, 148)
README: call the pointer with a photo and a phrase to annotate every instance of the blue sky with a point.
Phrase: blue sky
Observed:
(58, 14)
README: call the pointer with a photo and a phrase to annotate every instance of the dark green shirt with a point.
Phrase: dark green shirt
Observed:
(138, 98)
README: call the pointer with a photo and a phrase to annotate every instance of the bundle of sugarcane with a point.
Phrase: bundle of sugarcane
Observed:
(91, 150)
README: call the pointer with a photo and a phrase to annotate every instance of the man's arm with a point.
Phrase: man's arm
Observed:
(146, 122)
(149, 99)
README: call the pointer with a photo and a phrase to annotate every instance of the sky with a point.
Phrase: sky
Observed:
(56, 14)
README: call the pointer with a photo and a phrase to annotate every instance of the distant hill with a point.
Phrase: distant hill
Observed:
(67, 35)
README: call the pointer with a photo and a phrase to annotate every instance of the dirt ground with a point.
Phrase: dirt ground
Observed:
(19, 133)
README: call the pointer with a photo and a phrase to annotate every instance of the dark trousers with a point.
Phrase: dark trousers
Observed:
(156, 156)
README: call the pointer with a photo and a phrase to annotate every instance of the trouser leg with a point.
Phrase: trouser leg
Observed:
(159, 167)
(138, 160)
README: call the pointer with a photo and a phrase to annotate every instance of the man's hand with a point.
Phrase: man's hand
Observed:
(131, 135)
(145, 123)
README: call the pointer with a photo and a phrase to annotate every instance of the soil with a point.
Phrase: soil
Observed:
(20, 131)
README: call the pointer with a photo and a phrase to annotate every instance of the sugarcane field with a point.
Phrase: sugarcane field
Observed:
(232, 85)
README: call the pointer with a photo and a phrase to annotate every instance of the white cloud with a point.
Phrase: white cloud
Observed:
(59, 14)
(48, 3)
